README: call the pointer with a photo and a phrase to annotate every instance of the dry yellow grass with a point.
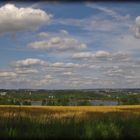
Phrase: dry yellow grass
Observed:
(77, 108)
(65, 111)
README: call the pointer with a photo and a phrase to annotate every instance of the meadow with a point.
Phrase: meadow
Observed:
(61, 122)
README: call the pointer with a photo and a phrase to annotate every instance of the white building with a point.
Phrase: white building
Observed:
(51, 97)
(2, 93)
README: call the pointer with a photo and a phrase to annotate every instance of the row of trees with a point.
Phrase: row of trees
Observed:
(63, 102)
(15, 102)
(49, 102)
(129, 100)
(123, 100)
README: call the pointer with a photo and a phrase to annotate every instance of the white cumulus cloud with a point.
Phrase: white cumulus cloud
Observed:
(91, 55)
(57, 43)
(13, 19)
(101, 55)
(7, 74)
(29, 62)
(137, 30)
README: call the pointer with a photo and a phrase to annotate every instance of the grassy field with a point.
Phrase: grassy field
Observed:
(59, 122)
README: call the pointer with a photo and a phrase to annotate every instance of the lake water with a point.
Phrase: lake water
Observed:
(74, 102)
(103, 102)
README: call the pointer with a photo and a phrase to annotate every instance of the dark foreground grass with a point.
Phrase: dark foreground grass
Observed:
(95, 125)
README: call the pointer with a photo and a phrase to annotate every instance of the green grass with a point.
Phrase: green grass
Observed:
(44, 124)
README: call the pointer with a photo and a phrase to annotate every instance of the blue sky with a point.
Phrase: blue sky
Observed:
(69, 45)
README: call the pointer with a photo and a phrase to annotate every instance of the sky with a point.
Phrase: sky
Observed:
(69, 45)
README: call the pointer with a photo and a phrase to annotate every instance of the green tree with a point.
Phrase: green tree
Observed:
(63, 101)
(44, 102)
(27, 102)
(51, 103)
(130, 100)
(11, 101)
(17, 102)
(84, 103)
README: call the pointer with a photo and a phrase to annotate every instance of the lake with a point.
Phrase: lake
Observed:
(74, 102)
(103, 102)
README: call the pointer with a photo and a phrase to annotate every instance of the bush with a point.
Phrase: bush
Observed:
(26, 102)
